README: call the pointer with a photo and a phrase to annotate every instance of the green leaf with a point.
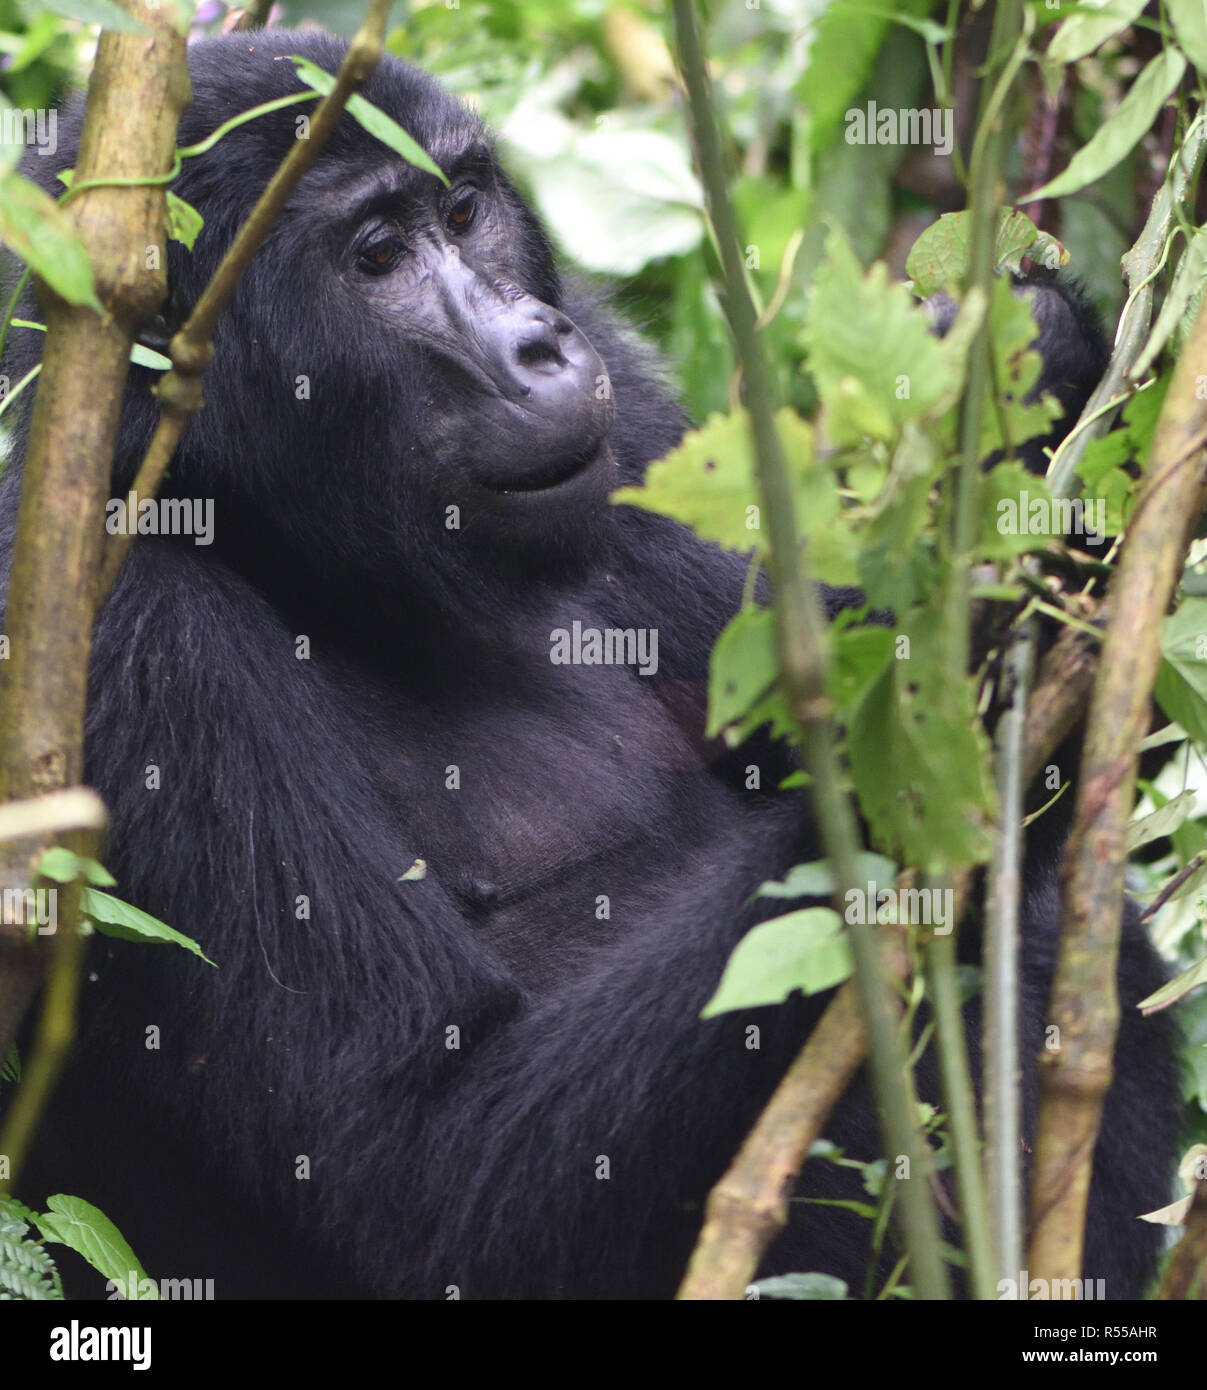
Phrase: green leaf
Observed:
(616, 199)
(10, 152)
(870, 349)
(113, 917)
(1187, 284)
(805, 950)
(859, 655)
(39, 232)
(743, 666)
(816, 879)
(87, 1230)
(1018, 512)
(27, 1272)
(140, 355)
(1174, 989)
(939, 259)
(1124, 130)
(1164, 821)
(374, 120)
(770, 710)
(1011, 420)
(846, 39)
(803, 1286)
(707, 483)
(1091, 24)
(65, 866)
(919, 758)
(1181, 687)
(103, 12)
(1189, 19)
(1170, 733)
(147, 357)
(184, 222)
(1105, 466)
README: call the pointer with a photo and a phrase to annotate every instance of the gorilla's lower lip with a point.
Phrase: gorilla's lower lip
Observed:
(555, 476)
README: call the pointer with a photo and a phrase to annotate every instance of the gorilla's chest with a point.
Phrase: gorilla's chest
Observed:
(551, 813)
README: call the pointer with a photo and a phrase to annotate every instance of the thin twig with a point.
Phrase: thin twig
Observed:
(192, 347)
(801, 641)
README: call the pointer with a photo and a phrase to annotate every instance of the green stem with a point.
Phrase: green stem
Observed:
(801, 636)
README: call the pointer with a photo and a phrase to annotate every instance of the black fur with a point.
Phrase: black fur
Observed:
(579, 1038)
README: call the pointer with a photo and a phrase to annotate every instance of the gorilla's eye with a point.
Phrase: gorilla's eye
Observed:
(380, 251)
(463, 210)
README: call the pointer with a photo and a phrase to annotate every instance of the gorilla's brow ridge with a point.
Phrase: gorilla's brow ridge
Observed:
(394, 180)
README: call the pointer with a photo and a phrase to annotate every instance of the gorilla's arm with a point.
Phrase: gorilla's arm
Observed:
(327, 1037)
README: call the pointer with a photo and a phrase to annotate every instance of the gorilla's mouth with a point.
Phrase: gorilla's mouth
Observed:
(554, 474)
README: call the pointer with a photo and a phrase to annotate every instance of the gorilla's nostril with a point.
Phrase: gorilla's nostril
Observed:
(537, 350)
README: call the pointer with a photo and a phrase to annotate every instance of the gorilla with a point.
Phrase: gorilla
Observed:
(487, 1077)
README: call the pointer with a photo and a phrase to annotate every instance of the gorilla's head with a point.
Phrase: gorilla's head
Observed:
(395, 381)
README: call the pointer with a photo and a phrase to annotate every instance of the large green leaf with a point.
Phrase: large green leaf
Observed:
(112, 917)
(87, 1230)
(374, 120)
(1189, 18)
(103, 12)
(804, 950)
(36, 229)
(1090, 25)
(1119, 135)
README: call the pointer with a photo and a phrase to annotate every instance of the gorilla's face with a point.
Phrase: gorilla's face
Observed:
(520, 403)
(394, 365)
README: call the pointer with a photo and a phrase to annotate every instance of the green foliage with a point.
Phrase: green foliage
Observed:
(1009, 421)
(708, 482)
(1189, 19)
(805, 950)
(1089, 26)
(591, 127)
(1125, 129)
(920, 758)
(816, 880)
(939, 259)
(743, 666)
(27, 1271)
(65, 866)
(184, 221)
(104, 12)
(111, 916)
(86, 1229)
(37, 230)
(41, 52)
(1181, 688)
(375, 121)
(1107, 465)
(871, 353)
(819, 1287)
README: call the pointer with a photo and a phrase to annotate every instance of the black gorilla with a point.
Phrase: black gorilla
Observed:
(493, 1078)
